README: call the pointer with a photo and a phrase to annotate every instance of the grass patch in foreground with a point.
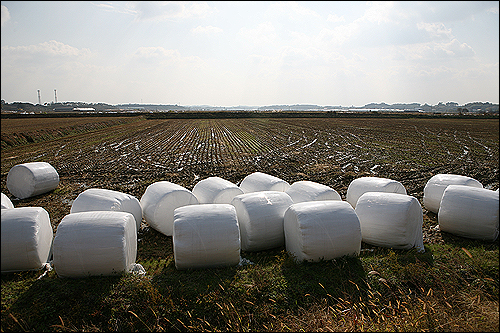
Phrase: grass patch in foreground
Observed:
(450, 287)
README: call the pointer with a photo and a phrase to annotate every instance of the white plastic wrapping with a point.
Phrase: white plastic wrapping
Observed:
(260, 217)
(306, 190)
(108, 200)
(316, 230)
(159, 202)
(95, 243)
(206, 235)
(31, 179)
(470, 212)
(391, 220)
(362, 185)
(26, 238)
(215, 190)
(6, 203)
(259, 181)
(434, 189)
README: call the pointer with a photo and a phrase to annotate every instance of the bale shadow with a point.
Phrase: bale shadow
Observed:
(465, 242)
(44, 304)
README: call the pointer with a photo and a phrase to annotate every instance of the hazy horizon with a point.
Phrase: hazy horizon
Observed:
(256, 53)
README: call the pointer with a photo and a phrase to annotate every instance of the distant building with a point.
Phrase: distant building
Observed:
(72, 109)
(84, 109)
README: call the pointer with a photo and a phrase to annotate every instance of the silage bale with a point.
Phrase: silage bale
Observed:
(94, 199)
(159, 202)
(306, 190)
(260, 217)
(26, 238)
(435, 186)
(470, 212)
(259, 181)
(95, 243)
(6, 203)
(215, 190)
(31, 179)
(316, 230)
(362, 185)
(206, 235)
(391, 220)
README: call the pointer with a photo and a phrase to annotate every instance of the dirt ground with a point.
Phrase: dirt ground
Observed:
(129, 155)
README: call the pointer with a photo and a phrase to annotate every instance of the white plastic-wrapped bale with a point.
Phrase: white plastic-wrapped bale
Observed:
(435, 186)
(259, 181)
(316, 230)
(306, 190)
(391, 220)
(31, 179)
(215, 190)
(95, 243)
(94, 199)
(26, 238)
(470, 212)
(362, 185)
(260, 217)
(206, 235)
(159, 202)
(6, 203)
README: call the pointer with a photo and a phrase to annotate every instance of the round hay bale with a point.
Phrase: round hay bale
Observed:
(159, 202)
(206, 235)
(316, 230)
(215, 190)
(306, 190)
(260, 217)
(258, 181)
(26, 238)
(435, 186)
(391, 220)
(469, 212)
(94, 199)
(6, 203)
(95, 243)
(362, 185)
(31, 179)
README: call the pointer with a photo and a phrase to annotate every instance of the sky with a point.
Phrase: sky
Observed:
(253, 53)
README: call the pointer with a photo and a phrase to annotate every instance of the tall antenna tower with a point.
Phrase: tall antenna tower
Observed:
(39, 101)
(55, 95)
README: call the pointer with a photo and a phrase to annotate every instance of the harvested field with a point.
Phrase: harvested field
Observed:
(18, 131)
(129, 154)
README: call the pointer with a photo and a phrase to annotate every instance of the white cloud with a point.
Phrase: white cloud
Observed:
(207, 30)
(379, 12)
(5, 15)
(493, 10)
(334, 18)
(118, 7)
(147, 53)
(164, 60)
(338, 35)
(264, 33)
(43, 51)
(455, 49)
(105, 6)
(170, 10)
(293, 11)
(436, 51)
(435, 30)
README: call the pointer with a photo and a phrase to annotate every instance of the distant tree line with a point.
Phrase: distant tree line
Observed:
(449, 107)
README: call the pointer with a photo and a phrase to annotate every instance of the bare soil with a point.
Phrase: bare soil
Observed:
(129, 154)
